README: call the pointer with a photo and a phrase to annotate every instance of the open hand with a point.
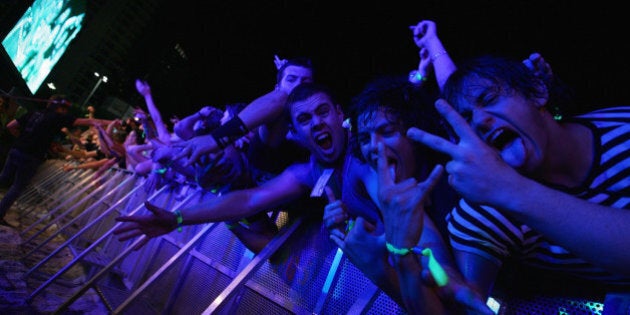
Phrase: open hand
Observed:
(159, 222)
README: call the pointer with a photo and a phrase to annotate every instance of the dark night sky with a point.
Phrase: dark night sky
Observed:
(231, 43)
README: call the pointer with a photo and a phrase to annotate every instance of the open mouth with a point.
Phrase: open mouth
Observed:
(324, 140)
(500, 138)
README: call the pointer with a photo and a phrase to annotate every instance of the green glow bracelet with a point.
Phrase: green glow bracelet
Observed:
(436, 270)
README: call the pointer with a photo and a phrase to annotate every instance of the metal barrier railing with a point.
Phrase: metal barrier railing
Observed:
(203, 270)
(74, 202)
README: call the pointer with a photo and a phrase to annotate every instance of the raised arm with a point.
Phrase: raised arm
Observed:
(145, 90)
(432, 52)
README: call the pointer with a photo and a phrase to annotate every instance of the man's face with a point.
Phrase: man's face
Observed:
(317, 126)
(373, 128)
(294, 76)
(508, 122)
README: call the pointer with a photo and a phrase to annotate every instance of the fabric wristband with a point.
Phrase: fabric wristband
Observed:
(229, 132)
(436, 270)
(180, 220)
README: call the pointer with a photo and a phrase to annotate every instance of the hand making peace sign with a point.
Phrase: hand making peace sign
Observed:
(476, 170)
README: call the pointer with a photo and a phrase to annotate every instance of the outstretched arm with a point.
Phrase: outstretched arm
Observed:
(234, 205)
(262, 110)
(185, 128)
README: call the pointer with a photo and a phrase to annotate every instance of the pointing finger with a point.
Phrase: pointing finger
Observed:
(432, 141)
(459, 124)
(384, 177)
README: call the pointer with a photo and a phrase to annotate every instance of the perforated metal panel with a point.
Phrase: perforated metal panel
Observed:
(295, 281)
(550, 305)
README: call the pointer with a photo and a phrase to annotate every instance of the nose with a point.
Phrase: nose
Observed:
(375, 138)
(481, 120)
(317, 121)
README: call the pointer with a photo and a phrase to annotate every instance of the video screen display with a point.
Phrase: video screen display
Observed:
(41, 36)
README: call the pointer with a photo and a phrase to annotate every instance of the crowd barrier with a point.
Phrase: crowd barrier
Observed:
(68, 217)
(67, 223)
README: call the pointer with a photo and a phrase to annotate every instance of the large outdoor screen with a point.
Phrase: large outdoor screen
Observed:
(41, 37)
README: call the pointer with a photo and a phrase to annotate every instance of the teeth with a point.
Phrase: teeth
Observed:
(495, 135)
(322, 136)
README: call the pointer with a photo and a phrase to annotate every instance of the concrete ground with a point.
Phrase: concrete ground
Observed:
(16, 285)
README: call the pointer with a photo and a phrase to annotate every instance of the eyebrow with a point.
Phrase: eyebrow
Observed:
(379, 127)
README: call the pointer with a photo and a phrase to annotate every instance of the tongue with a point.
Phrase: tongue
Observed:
(513, 153)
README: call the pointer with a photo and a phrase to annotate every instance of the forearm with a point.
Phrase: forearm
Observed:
(264, 109)
(596, 233)
(443, 65)
(162, 131)
(185, 127)
(227, 207)
(387, 280)
(417, 297)
(93, 164)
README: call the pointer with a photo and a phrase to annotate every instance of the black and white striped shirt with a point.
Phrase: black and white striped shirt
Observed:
(486, 232)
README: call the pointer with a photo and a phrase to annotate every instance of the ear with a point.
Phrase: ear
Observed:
(293, 135)
(291, 129)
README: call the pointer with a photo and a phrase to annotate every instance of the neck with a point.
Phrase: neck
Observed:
(570, 155)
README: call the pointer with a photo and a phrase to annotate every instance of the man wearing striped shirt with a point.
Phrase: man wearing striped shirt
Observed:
(547, 194)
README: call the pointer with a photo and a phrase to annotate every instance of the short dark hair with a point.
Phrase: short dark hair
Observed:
(299, 62)
(303, 92)
(507, 74)
(306, 90)
(404, 103)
